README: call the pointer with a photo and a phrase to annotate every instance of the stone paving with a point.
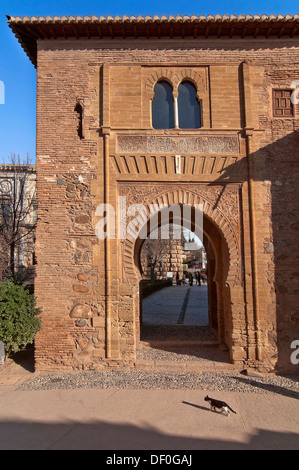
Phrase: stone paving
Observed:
(181, 305)
(175, 332)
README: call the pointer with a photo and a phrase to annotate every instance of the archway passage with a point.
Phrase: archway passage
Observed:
(187, 318)
(174, 288)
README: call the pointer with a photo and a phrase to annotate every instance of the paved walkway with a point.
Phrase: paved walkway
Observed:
(177, 305)
(175, 320)
(136, 419)
(165, 420)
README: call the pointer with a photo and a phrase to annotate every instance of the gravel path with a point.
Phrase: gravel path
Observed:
(179, 355)
(234, 382)
(181, 379)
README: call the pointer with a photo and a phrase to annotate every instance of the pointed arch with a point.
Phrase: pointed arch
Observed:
(211, 212)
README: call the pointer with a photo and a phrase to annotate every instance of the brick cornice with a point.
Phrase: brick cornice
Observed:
(30, 29)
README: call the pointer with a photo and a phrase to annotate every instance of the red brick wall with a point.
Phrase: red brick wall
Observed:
(84, 305)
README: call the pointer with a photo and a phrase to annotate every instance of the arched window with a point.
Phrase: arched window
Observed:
(162, 106)
(188, 107)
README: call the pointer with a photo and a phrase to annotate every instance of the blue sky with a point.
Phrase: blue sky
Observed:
(17, 114)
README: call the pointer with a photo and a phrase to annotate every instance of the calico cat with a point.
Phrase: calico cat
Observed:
(220, 405)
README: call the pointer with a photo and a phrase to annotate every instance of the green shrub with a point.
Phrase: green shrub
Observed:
(19, 321)
(147, 288)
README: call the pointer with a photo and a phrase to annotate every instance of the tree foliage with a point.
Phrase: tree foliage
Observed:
(19, 316)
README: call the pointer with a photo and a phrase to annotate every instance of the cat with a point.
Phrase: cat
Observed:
(220, 405)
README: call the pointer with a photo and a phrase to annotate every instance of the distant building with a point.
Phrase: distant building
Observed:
(18, 216)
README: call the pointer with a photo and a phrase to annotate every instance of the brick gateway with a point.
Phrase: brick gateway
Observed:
(99, 81)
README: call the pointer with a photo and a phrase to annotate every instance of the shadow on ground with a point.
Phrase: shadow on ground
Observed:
(98, 435)
(24, 359)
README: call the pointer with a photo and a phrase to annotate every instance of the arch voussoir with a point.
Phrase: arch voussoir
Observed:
(222, 221)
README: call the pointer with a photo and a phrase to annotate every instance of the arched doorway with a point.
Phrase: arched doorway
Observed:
(217, 318)
(221, 237)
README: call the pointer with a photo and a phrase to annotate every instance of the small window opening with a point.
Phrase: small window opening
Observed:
(282, 103)
(6, 212)
(79, 111)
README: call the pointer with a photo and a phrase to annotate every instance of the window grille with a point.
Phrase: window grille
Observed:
(282, 104)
